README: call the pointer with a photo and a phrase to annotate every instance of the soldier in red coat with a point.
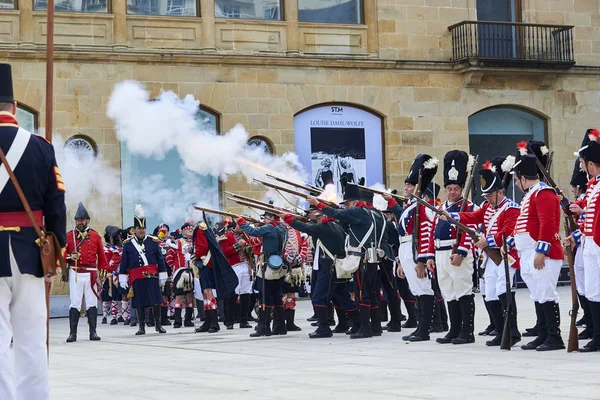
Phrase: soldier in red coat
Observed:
(85, 257)
(178, 259)
(498, 215)
(537, 238)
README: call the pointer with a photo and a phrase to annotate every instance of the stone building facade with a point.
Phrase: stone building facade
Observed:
(398, 62)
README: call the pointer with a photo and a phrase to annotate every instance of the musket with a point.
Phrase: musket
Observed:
(573, 344)
(493, 254)
(571, 224)
(309, 188)
(272, 210)
(400, 199)
(465, 201)
(417, 219)
(295, 192)
(235, 197)
(227, 214)
(505, 343)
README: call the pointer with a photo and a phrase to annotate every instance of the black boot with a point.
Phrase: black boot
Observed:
(73, 321)
(490, 327)
(92, 316)
(141, 315)
(436, 324)
(177, 324)
(467, 314)
(553, 340)
(365, 330)
(428, 305)
(189, 317)
(515, 334)
(443, 315)
(395, 324)
(354, 316)
(150, 317)
(330, 313)
(244, 306)
(588, 332)
(323, 329)
(411, 309)
(157, 323)
(497, 309)
(540, 326)
(342, 326)
(383, 310)
(314, 316)
(376, 322)
(455, 323)
(289, 317)
(164, 316)
(214, 321)
(229, 305)
(279, 326)
(264, 324)
(533, 332)
(593, 318)
(206, 324)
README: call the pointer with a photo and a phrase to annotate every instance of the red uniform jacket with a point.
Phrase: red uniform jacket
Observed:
(503, 224)
(540, 218)
(91, 251)
(591, 221)
(228, 245)
(115, 260)
(447, 231)
(201, 248)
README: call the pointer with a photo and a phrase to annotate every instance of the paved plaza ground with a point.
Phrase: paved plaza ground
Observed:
(230, 365)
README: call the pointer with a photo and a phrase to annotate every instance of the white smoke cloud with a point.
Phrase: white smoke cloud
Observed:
(378, 201)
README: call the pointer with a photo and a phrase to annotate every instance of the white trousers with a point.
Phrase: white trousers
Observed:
(541, 282)
(79, 285)
(23, 318)
(418, 286)
(591, 262)
(455, 282)
(495, 278)
(244, 282)
(580, 271)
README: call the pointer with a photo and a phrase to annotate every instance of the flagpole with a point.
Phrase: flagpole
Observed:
(49, 68)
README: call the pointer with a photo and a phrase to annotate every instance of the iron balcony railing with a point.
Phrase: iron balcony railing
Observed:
(511, 43)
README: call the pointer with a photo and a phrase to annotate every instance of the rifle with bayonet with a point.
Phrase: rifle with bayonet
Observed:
(505, 343)
(398, 198)
(272, 210)
(417, 219)
(493, 254)
(573, 344)
(227, 214)
(295, 192)
(463, 206)
(309, 188)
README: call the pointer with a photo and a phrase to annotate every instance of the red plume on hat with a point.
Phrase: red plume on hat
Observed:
(522, 147)
(489, 165)
(594, 135)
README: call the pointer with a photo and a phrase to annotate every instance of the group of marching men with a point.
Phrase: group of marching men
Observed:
(405, 249)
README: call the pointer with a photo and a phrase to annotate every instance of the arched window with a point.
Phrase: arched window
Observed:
(164, 187)
(27, 118)
(334, 142)
(496, 131)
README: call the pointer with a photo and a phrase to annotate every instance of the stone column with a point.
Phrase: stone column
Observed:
(290, 11)
(207, 12)
(370, 19)
(119, 9)
(25, 8)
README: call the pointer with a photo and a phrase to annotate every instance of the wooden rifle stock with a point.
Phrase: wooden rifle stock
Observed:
(573, 344)
(294, 192)
(459, 232)
(506, 344)
(494, 254)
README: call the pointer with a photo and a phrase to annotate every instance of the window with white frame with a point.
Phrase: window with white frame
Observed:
(248, 9)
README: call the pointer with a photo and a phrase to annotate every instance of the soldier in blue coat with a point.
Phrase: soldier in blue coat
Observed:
(22, 296)
(144, 268)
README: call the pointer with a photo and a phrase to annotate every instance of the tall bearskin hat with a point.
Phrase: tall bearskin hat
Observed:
(139, 218)
(457, 163)
(425, 165)
(503, 167)
(541, 151)
(591, 150)
(81, 212)
(579, 178)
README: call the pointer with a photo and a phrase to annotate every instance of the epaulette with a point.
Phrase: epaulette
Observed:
(154, 238)
(512, 204)
(127, 240)
(203, 226)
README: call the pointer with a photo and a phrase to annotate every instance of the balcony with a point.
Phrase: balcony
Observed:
(510, 44)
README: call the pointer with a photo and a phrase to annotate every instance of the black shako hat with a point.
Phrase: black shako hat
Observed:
(579, 178)
(591, 151)
(81, 212)
(456, 165)
(489, 178)
(425, 165)
(527, 154)
(6, 84)
(351, 192)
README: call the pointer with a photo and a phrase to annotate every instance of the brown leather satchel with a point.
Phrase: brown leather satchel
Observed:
(50, 250)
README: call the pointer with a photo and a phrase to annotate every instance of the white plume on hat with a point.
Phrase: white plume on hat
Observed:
(508, 164)
(544, 150)
(431, 163)
(139, 211)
